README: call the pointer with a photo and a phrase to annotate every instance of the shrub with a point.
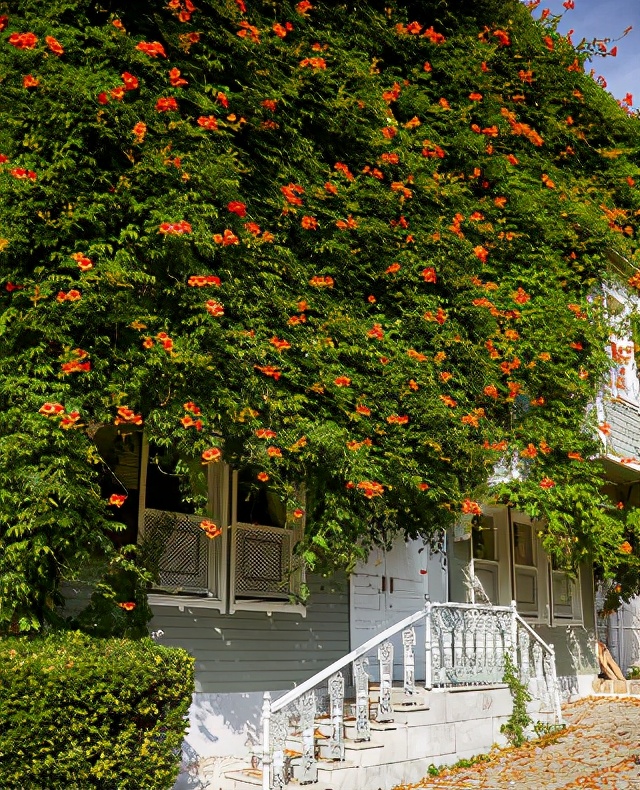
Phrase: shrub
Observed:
(78, 713)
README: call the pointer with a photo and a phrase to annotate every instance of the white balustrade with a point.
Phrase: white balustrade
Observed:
(465, 644)
(336, 697)
(409, 663)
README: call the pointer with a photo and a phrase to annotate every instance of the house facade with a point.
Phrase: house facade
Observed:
(256, 621)
(619, 419)
(234, 600)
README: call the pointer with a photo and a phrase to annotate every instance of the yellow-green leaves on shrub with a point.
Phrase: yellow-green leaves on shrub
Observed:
(79, 713)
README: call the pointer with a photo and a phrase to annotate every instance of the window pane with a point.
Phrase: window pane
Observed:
(484, 540)
(562, 589)
(563, 594)
(257, 505)
(487, 575)
(523, 544)
(527, 591)
(163, 483)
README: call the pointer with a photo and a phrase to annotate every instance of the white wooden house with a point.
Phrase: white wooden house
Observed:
(619, 412)
(233, 602)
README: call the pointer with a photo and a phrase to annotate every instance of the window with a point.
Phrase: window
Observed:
(526, 572)
(251, 565)
(530, 569)
(565, 596)
(484, 541)
(262, 547)
(505, 555)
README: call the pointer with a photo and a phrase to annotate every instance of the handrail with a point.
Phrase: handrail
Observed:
(536, 636)
(298, 691)
(551, 650)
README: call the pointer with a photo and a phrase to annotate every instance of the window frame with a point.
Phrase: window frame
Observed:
(279, 602)
(222, 492)
(501, 565)
(577, 616)
(538, 571)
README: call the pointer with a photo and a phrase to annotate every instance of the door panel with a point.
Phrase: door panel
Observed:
(389, 587)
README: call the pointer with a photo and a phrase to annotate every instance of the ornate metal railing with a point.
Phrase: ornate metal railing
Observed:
(465, 645)
(536, 662)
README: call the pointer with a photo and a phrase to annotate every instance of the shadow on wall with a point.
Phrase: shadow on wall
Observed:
(575, 656)
(222, 729)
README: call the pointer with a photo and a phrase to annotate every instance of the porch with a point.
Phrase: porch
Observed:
(365, 722)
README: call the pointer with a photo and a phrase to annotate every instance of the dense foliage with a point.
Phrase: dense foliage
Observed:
(77, 712)
(354, 245)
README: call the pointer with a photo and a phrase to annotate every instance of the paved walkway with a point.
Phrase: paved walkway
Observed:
(600, 750)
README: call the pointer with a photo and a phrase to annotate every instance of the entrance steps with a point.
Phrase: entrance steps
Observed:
(439, 726)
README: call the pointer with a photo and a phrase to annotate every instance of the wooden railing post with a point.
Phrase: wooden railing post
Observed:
(385, 663)
(336, 705)
(308, 770)
(408, 659)
(361, 678)
(266, 745)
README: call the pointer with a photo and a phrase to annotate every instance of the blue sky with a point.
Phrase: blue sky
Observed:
(606, 19)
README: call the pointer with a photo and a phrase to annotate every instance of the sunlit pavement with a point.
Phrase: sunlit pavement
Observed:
(599, 750)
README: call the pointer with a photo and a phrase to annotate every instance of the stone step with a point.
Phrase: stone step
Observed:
(244, 779)
(294, 745)
(252, 780)
(337, 776)
(631, 687)
(374, 726)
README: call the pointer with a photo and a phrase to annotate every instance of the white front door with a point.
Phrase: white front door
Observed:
(390, 586)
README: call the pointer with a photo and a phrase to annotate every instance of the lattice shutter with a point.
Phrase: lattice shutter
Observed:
(263, 561)
(180, 550)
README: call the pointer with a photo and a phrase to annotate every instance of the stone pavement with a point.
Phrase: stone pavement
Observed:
(599, 750)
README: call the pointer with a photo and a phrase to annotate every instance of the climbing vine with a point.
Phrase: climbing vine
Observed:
(515, 726)
(358, 249)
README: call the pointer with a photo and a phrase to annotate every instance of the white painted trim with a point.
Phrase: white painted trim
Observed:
(616, 460)
(223, 559)
(183, 602)
(231, 594)
(269, 606)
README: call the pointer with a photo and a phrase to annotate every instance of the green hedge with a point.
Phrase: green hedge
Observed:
(78, 713)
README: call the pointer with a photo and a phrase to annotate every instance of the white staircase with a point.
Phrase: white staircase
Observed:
(341, 730)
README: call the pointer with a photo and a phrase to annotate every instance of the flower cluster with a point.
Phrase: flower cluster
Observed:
(175, 228)
(402, 251)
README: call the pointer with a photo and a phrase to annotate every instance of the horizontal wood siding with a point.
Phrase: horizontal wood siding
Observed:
(253, 651)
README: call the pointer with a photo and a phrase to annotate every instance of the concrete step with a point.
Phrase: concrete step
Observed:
(630, 687)
(252, 780)
(244, 779)
(294, 746)
(338, 775)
